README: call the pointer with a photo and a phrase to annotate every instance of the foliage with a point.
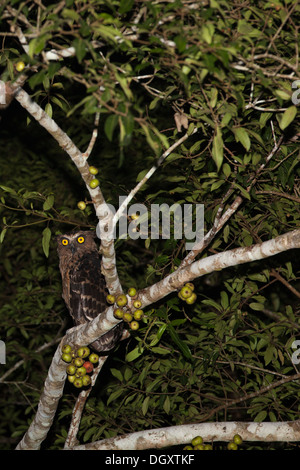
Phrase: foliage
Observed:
(155, 70)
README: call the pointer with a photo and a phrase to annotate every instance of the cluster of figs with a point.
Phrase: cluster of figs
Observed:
(121, 310)
(198, 444)
(81, 363)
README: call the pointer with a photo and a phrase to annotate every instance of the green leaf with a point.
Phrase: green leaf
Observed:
(260, 416)
(7, 189)
(110, 125)
(150, 139)
(46, 240)
(284, 95)
(212, 303)
(224, 299)
(287, 117)
(70, 14)
(181, 344)
(48, 204)
(89, 433)
(159, 350)
(2, 234)
(36, 45)
(125, 6)
(116, 373)
(214, 97)
(145, 405)
(167, 405)
(226, 170)
(268, 356)
(180, 42)
(159, 334)
(125, 82)
(36, 79)
(264, 117)
(257, 306)
(242, 136)
(127, 374)
(48, 109)
(243, 191)
(80, 48)
(113, 396)
(134, 354)
(218, 148)
(207, 32)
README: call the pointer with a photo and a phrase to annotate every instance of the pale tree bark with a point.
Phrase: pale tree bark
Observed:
(53, 390)
(181, 435)
(223, 260)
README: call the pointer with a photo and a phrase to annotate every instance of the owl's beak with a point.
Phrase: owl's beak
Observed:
(72, 249)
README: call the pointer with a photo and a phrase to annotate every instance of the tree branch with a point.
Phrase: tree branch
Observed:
(213, 263)
(288, 431)
(53, 390)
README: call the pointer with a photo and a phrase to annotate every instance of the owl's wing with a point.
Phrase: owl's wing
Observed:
(87, 298)
(87, 291)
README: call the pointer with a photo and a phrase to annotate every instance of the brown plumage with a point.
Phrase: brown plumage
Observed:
(84, 288)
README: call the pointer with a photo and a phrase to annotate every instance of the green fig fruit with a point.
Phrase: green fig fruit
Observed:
(71, 369)
(67, 348)
(93, 170)
(237, 439)
(192, 299)
(186, 292)
(20, 66)
(134, 325)
(83, 351)
(138, 314)
(232, 446)
(81, 205)
(197, 440)
(199, 447)
(94, 183)
(78, 361)
(86, 380)
(190, 285)
(121, 300)
(81, 371)
(66, 357)
(128, 317)
(71, 378)
(110, 299)
(77, 382)
(118, 313)
(93, 358)
(132, 291)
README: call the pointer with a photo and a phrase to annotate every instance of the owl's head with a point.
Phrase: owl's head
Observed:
(74, 243)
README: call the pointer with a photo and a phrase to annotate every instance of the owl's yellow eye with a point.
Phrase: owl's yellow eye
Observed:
(65, 241)
(80, 239)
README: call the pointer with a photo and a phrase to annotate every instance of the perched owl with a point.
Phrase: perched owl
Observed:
(84, 289)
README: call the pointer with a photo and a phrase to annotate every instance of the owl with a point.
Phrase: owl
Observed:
(83, 284)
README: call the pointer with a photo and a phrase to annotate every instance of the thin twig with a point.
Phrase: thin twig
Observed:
(88, 151)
